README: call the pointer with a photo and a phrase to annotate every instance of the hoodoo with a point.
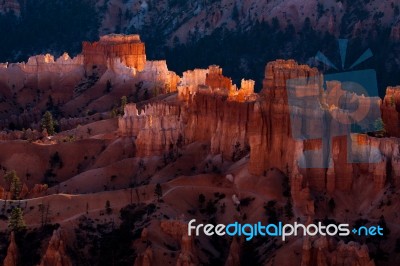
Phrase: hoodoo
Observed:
(129, 49)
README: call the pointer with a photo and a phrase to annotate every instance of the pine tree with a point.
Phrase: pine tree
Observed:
(8, 177)
(15, 187)
(202, 199)
(124, 102)
(16, 221)
(158, 191)
(48, 123)
(108, 207)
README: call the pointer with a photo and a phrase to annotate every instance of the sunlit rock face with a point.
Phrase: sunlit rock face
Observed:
(157, 75)
(115, 65)
(156, 127)
(235, 121)
(215, 79)
(128, 48)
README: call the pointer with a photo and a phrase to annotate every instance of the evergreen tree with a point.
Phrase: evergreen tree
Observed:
(158, 191)
(16, 221)
(202, 199)
(8, 177)
(48, 123)
(15, 187)
(108, 207)
(124, 102)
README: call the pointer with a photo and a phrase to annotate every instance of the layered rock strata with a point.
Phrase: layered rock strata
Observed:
(263, 125)
(128, 48)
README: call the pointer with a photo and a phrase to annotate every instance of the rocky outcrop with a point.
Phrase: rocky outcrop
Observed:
(277, 73)
(178, 230)
(211, 117)
(55, 254)
(156, 127)
(186, 257)
(157, 75)
(174, 228)
(245, 93)
(12, 253)
(270, 136)
(234, 253)
(47, 63)
(37, 190)
(235, 123)
(215, 79)
(390, 111)
(190, 83)
(145, 259)
(128, 48)
(326, 251)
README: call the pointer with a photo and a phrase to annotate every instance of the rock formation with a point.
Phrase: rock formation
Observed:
(270, 135)
(145, 259)
(158, 76)
(245, 93)
(55, 254)
(190, 83)
(128, 48)
(215, 79)
(324, 251)
(12, 253)
(178, 230)
(156, 127)
(260, 125)
(390, 111)
(234, 253)
(105, 70)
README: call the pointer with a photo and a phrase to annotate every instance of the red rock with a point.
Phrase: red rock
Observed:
(178, 230)
(216, 80)
(55, 254)
(157, 127)
(145, 259)
(324, 251)
(234, 254)
(12, 252)
(128, 48)
(390, 111)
